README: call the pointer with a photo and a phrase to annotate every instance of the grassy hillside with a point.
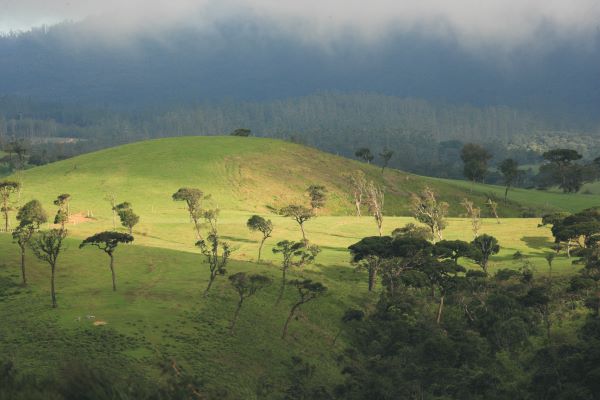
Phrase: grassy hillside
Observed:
(158, 312)
(246, 174)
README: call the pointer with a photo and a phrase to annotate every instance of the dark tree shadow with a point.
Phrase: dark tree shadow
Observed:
(537, 242)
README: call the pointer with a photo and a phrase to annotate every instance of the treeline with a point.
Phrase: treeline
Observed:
(426, 137)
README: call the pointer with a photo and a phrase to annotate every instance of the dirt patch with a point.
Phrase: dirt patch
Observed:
(99, 323)
(79, 218)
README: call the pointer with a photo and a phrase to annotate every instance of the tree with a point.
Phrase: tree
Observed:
(295, 254)
(298, 213)
(193, 198)
(510, 173)
(413, 231)
(369, 254)
(359, 188)
(211, 248)
(475, 159)
(307, 291)
(112, 199)
(474, 213)
(64, 213)
(561, 170)
(264, 226)
(452, 249)
(386, 155)
(128, 218)
(246, 286)
(7, 189)
(30, 217)
(318, 196)
(241, 132)
(108, 241)
(483, 247)
(375, 200)
(493, 207)
(46, 246)
(427, 210)
(364, 154)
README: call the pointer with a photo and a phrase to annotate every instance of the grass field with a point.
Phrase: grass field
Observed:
(159, 312)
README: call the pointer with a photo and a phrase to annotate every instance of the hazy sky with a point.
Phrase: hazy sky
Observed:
(472, 22)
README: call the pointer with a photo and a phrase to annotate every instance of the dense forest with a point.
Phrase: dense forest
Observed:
(426, 137)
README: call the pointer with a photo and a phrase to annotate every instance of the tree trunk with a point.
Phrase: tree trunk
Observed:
(372, 276)
(210, 282)
(287, 321)
(131, 230)
(52, 290)
(506, 195)
(282, 289)
(260, 247)
(23, 266)
(357, 205)
(112, 271)
(235, 317)
(440, 308)
(303, 233)
(5, 206)
(114, 219)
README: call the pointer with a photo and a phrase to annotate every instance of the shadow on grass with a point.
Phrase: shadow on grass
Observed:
(537, 242)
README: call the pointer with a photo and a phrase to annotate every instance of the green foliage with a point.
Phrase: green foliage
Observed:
(482, 248)
(364, 154)
(475, 159)
(318, 196)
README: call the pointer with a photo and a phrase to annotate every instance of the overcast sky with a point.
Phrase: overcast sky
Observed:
(472, 22)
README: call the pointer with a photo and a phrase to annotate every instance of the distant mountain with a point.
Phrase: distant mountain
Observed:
(244, 60)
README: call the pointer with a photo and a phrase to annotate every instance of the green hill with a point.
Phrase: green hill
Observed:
(248, 174)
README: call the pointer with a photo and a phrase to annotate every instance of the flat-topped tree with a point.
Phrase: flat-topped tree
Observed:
(264, 226)
(295, 254)
(298, 213)
(108, 241)
(246, 286)
(128, 218)
(307, 291)
(47, 246)
(30, 217)
(64, 213)
(193, 198)
(7, 190)
(369, 254)
(318, 197)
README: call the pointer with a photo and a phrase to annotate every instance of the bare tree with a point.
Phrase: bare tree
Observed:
(359, 188)
(375, 199)
(474, 213)
(246, 286)
(47, 246)
(429, 211)
(111, 197)
(493, 206)
(307, 291)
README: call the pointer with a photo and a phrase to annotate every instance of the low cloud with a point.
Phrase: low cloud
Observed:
(505, 23)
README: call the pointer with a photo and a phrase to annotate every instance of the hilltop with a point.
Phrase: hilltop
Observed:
(250, 174)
